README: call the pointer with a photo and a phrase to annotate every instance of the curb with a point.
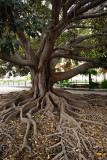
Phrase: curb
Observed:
(84, 89)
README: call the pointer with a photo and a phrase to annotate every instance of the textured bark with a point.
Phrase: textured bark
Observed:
(41, 81)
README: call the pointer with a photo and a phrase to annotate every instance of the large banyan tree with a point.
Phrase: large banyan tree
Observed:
(72, 29)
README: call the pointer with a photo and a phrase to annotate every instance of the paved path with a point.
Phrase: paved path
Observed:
(4, 90)
(88, 92)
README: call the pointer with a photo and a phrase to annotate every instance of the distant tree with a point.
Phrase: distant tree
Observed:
(90, 72)
(104, 72)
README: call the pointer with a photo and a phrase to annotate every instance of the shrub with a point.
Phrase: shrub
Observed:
(95, 85)
(103, 84)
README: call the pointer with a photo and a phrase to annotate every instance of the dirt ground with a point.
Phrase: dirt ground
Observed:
(12, 134)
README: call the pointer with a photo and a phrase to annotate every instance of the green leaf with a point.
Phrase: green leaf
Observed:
(19, 42)
(16, 46)
(7, 50)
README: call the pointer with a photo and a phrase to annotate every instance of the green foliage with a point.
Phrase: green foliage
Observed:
(10, 68)
(92, 71)
(94, 85)
(64, 81)
(102, 61)
(29, 16)
(27, 78)
(2, 71)
(103, 85)
(67, 36)
(21, 71)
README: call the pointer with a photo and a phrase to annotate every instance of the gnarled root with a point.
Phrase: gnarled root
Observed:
(55, 126)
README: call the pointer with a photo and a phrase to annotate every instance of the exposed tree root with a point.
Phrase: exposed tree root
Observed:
(67, 111)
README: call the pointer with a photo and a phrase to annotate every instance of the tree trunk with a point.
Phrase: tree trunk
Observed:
(90, 80)
(65, 112)
(104, 75)
(41, 81)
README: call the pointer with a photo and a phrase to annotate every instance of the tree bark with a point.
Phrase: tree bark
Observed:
(41, 81)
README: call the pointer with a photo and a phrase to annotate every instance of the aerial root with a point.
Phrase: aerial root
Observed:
(10, 147)
(93, 122)
(71, 122)
(29, 108)
(72, 138)
(25, 141)
(29, 122)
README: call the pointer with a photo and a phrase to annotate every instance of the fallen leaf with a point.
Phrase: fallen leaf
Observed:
(99, 153)
(48, 156)
(84, 117)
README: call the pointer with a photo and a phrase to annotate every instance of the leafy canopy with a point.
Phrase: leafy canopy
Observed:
(16, 15)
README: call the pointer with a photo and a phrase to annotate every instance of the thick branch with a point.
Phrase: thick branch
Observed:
(83, 37)
(85, 16)
(69, 4)
(47, 51)
(15, 60)
(53, 62)
(81, 47)
(76, 13)
(97, 9)
(64, 12)
(74, 57)
(89, 6)
(73, 12)
(44, 37)
(80, 26)
(26, 46)
(58, 76)
(71, 53)
(55, 11)
(18, 56)
(64, 49)
(62, 25)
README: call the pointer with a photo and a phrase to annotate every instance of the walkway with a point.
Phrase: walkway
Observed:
(4, 90)
(88, 91)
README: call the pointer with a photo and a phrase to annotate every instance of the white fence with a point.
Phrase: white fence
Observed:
(15, 83)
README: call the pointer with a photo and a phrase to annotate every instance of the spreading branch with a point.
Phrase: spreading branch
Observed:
(80, 26)
(89, 6)
(18, 55)
(84, 37)
(58, 76)
(55, 11)
(86, 16)
(80, 11)
(74, 57)
(26, 46)
(71, 53)
(69, 4)
(80, 47)
(15, 59)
